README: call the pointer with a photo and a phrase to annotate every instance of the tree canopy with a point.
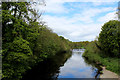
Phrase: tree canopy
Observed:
(109, 38)
(25, 41)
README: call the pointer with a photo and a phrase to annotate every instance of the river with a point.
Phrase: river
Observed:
(64, 65)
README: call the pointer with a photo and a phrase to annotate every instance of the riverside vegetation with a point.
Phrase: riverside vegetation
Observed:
(25, 41)
(105, 51)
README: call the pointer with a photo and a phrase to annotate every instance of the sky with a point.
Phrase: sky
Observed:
(78, 20)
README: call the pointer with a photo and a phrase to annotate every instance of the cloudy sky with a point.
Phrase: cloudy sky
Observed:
(78, 20)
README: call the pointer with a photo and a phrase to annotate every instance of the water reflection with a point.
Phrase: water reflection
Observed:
(76, 67)
(48, 69)
(63, 65)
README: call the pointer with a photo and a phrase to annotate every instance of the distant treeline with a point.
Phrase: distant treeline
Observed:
(106, 50)
(25, 41)
(79, 45)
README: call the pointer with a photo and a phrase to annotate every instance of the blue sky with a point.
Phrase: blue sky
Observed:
(78, 21)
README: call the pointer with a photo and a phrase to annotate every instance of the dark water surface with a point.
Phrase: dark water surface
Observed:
(64, 65)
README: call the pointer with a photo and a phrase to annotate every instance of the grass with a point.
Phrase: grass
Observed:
(93, 54)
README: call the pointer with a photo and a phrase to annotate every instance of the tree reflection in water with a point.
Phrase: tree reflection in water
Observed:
(63, 65)
(48, 69)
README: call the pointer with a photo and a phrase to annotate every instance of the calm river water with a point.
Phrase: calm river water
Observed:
(64, 65)
(76, 67)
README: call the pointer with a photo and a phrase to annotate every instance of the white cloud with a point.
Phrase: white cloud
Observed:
(76, 32)
(52, 7)
(102, 3)
(109, 16)
(67, 26)
(56, 6)
(88, 13)
(80, 26)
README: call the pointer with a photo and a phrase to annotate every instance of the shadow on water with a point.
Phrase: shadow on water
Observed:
(47, 69)
(99, 69)
(64, 65)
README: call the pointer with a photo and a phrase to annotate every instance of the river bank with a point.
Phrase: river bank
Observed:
(95, 55)
(108, 74)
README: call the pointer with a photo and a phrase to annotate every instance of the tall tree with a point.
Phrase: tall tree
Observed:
(108, 38)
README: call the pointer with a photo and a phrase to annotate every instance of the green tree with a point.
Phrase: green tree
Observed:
(108, 38)
(25, 42)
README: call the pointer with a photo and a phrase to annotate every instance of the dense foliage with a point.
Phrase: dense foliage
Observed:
(25, 41)
(106, 50)
(108, 38)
